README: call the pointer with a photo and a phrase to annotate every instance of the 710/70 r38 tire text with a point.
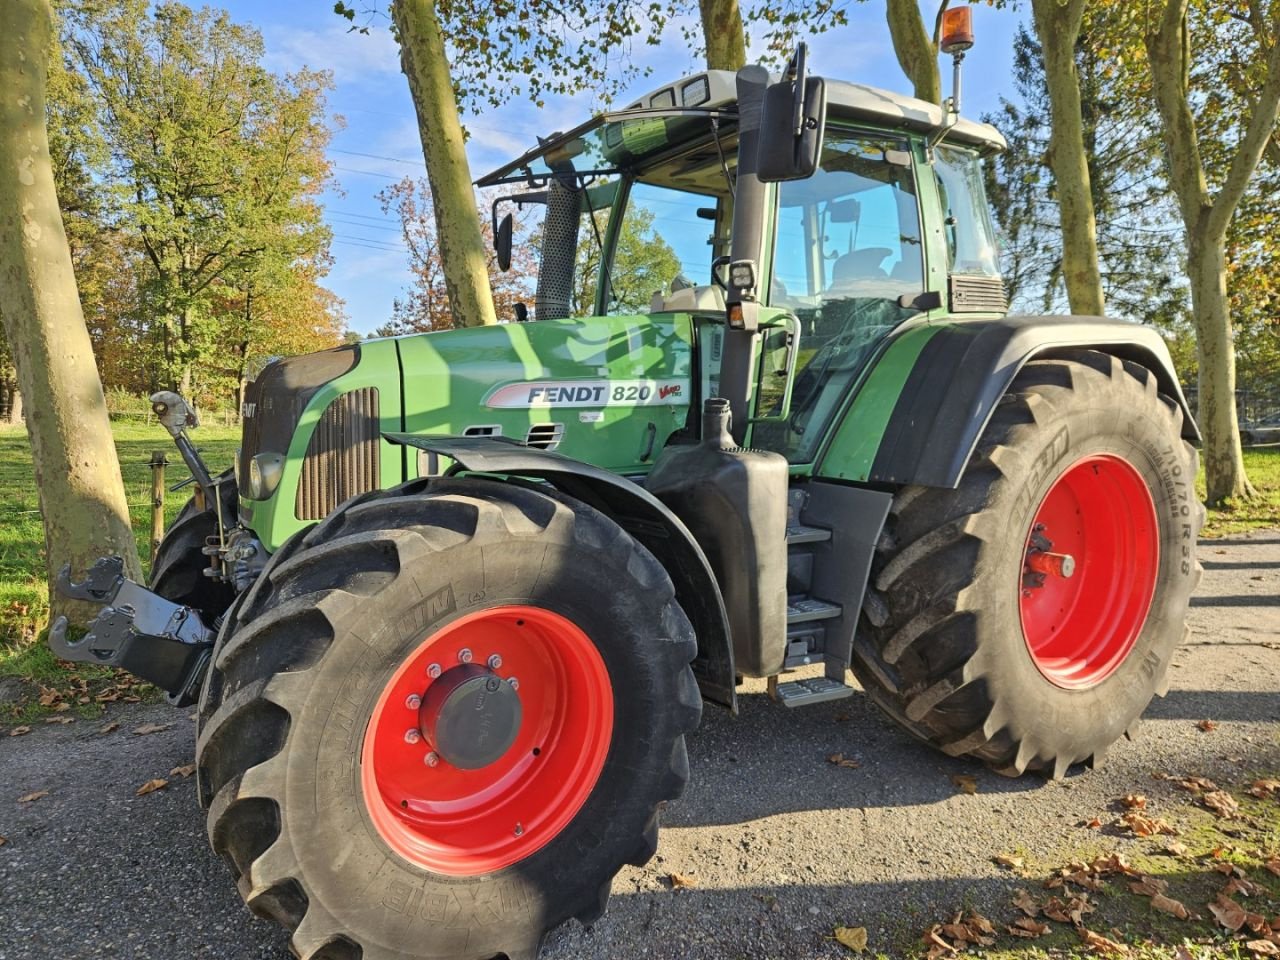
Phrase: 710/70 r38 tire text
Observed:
(443, 719)
(1028, 617)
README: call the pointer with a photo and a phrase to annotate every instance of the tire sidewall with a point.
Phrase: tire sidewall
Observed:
(403, 906)
(1078, 722)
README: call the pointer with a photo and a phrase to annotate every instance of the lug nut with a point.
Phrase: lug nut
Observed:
(431, 759)
(412, 735)
(433, 671)
(413, 702)
(515, 684)
(464, 655)
(494, 661)
(519, 829)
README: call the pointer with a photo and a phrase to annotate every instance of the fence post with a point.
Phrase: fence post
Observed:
(157, 464)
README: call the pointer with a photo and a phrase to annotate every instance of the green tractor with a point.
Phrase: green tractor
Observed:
(452, 618)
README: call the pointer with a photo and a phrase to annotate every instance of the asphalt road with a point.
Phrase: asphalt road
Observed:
(782, 845)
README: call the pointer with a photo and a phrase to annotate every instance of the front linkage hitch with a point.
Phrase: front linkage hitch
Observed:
(162, 642)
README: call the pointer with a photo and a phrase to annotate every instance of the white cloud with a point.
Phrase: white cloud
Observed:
(356, 59)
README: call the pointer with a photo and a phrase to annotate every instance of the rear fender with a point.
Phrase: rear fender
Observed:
(932, 401)
(635, 510)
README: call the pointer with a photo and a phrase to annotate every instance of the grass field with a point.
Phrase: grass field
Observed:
(24, 600)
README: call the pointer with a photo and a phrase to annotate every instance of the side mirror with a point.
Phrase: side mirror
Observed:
(502, 243)
(792, 124)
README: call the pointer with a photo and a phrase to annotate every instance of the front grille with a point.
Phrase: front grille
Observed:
(978, 294)
(342, 458)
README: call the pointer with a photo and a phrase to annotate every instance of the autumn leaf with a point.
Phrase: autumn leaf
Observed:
(1263, 948)
(1170, 906)
(184, 771)
(1008, 861)
(1145, 826)
(1208, 726)
(1026, 903)
(682, 881)
(1221, 803)
(62, 720)
(61, 707)
(1263, 789)
(151, 786)
(3, 840)
(33, 797)
(1100, 944)
(1197, 784)
(965, 782)
(1149, 886)
(853, 938)
(1273, 865)
(151, 728)
(19, 731)
(840, 760)
(1026, 927)
(1242, 886)
(937, 946)
(1228, 913)
(1175, 848)
(110, 727)
(1134, 801)
(1093, 824)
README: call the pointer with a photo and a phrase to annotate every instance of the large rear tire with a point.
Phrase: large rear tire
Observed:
(357, 817)
(178, 573)
(1028, 617)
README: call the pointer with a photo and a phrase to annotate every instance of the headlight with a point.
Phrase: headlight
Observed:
(265, 471)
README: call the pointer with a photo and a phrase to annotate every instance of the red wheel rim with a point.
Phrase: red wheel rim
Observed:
(1098, 518)
(467, 822)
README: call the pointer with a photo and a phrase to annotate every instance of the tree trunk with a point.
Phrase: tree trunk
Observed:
(15, 405)
(77, 473)
(1057, 24)
(422, 58)
(915, 48)
(725, 36)
(1215, 349)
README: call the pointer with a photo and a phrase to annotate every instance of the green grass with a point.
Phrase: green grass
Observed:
(1263, 511)
(24, 595)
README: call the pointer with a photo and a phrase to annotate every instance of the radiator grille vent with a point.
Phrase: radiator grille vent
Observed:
(342, 458)
(974, 294)
(545, 435)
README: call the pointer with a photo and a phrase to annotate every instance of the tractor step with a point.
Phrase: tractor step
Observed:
(802, 693)
(804, 609)
(799, 533)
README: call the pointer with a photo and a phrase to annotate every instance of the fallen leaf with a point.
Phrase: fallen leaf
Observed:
(682, 881)
(1093, 824)
(62, 720)
(19, 731)
(1242, 886)
(1273, 865)
(1228, 913)
(1072, 910)
(183, 771)
(1026, 927)
(1196, 784)
(1005, 860)
(1207, 725)
(937, 946)
(151, 728)
(840, 760)
(151, 786)
(110, 727)
(1170, 906)
(3, 840)
(1134, 801)
(1100, 944)
(842, 718)
(1263, 948)
(1145, 826)
(1149, 886)
(853, 938)
(1114, 863)
(1228, 868)
(61, 707)
(965, 782)
(1221, 803)
(1026, 903)
(1175, 848)
(33, 797)
(1263, 789)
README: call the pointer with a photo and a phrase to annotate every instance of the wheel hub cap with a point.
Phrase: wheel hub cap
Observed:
(470, 716)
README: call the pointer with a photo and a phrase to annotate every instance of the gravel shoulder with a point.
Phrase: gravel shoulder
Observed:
(781, 844)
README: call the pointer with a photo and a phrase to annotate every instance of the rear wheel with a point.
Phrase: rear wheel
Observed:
(1028, 617)
(441, 721)
(178, 573)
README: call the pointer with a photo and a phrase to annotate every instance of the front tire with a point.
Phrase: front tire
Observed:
(325, 802)
(178, 573)
(1028, 617)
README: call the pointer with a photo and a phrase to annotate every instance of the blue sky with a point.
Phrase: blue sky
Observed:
(377, 141)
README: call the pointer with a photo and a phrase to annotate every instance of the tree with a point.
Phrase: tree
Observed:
(77, 472)
(1058, 27)
(215, 161)
(427, 305)
(643, 262)
(915, 47)
(1208, 200)
(723, 34)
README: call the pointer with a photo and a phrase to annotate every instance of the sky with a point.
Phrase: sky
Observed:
(375, 141)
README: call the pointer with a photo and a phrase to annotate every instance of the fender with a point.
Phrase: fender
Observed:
(635, 510)
(919, 413)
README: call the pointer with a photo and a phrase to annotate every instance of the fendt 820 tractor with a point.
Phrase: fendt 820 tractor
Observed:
(454, 614)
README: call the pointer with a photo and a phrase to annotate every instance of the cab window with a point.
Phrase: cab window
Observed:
(971, 237)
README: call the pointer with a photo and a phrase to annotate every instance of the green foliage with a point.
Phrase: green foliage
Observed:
(643, 263)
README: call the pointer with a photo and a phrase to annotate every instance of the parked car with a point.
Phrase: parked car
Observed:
(1260, 431)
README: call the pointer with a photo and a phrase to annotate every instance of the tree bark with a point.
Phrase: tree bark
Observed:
(1057, 24)
(422, 58)
(724, 34)
(916, 49)
(77, 473)
(15, 405)
(1207, 218)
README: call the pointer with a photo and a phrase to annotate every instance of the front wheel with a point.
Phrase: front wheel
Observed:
(1028, 617)
(443, 719)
